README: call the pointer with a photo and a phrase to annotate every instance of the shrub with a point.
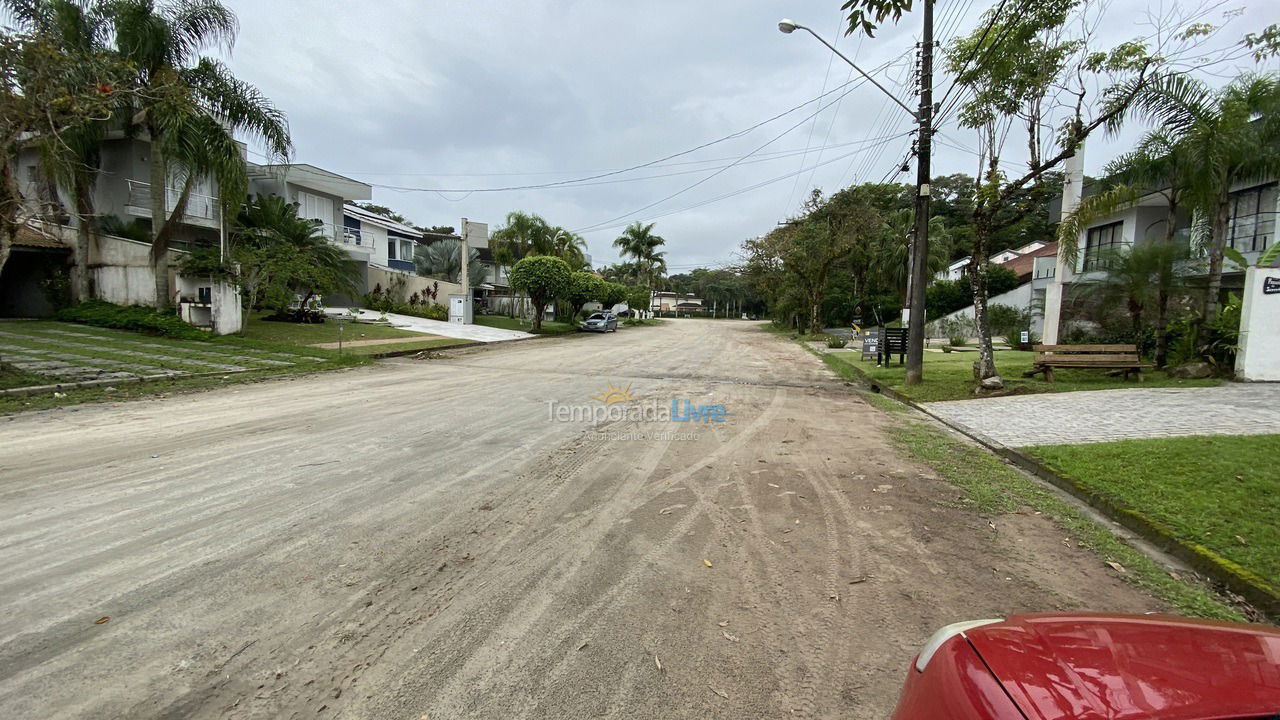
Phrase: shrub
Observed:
(1008, 321)
(100, 313)
(837, 341)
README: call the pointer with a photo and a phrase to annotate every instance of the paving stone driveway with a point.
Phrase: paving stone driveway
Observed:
(1106, 415)
(69, 353)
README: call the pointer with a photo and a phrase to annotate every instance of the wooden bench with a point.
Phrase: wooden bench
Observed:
(893, 341)
(1090, 357)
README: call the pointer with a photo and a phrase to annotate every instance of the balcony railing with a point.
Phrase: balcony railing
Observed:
(200, 207)
(350, 237)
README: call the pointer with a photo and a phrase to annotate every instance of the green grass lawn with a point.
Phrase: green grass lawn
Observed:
(311, 334)
(303, 334)
(949, 376)
(260, 358)
(549, 327)
(994, 487)
(1221, 492)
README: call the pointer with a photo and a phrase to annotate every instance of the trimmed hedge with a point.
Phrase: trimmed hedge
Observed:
(100, 313)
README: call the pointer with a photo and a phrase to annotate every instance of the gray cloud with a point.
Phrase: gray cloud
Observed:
(418, 94)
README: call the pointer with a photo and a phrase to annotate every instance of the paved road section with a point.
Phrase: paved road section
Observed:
(1107, 415)
(423, 538)
(478, 333)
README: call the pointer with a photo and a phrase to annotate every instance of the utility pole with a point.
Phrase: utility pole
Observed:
(920, 246)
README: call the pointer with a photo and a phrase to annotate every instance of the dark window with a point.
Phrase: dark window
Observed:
(1100, 243)
(391, 249)
(1252, 218)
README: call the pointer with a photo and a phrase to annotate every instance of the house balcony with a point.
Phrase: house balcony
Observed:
(401, 265)
(357, 244)
(202, 210)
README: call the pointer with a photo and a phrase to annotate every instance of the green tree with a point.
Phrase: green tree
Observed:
(1224, 137)
(72, 157)
(568, 246)
(1138, 281)
(542, 278)
(583, 287)
(639, 242)
(1023, 70)
(611, 293)
(285, 259)
(190, 108)
(49, 94)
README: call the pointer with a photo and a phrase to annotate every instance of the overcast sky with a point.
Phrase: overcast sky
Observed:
(467, 95)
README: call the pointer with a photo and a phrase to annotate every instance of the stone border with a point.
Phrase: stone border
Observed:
(1226, 573)
(62, 387)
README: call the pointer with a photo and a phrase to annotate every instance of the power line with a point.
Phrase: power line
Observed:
(965, 66)
(734, 193)
(721, 170)
(537, 186)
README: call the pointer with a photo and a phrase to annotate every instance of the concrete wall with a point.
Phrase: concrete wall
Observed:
(1019, 297)
(122, 271)
(1259, 356)
(413, 283)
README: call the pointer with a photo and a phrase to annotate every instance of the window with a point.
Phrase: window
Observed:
(1252, 218)
(406, 249)
(391, 249)
(1100, 242)
(315, 207)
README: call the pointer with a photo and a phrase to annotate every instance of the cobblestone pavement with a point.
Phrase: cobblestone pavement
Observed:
(67, 353)
(1106, 415)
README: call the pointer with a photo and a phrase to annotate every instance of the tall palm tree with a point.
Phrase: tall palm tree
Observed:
(522, 235)
(1230, 136)
(568, 246)
(639, 242)
(190, 108)
(73, 158)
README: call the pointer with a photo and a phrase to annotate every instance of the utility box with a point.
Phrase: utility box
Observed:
(460, 310)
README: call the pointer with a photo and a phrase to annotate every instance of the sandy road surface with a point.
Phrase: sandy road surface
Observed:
(419, 539)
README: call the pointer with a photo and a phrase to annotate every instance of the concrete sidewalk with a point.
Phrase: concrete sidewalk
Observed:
(478, 333)
(1106, 415)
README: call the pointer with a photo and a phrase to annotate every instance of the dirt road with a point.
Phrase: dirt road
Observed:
(423, 539)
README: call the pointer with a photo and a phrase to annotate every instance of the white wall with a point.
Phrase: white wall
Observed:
(1019, 297)
(1259, 356)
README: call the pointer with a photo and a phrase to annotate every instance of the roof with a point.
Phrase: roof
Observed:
(315, 178)
(359, 213)
(29, 238)
(1025, 264)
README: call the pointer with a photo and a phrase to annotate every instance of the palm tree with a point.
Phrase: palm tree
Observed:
(638, 241)
(286, 256)
(73, 158)
(1140, 279)
(1230, 136)
(524, 234)
(190, 108)
(443, 260)
(568, 246)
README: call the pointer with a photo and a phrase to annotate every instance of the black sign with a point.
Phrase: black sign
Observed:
(870, 343)
(1271, 286)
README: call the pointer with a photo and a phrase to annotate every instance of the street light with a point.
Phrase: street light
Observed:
(788, 26)
(920, 248)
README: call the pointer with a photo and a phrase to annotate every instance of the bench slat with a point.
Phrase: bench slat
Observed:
(1085, 359)
(1084, 349)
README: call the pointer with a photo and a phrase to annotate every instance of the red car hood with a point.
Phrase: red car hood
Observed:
(1112, 667)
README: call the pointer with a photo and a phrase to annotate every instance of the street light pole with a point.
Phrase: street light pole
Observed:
(920, 245)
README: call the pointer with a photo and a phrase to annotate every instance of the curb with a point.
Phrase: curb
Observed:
(459, 346)
(1234, 578)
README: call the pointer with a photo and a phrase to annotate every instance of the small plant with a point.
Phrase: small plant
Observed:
(837, 341)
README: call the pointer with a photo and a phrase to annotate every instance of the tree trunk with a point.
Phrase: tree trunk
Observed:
(538, 306)
(86, 229)
(1216, 249)
(10, 207)
(1163, 282)
(159, 240)
(986, 365)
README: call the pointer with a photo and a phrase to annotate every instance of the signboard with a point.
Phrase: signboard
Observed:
(1271, 286)
(870, 343)
(1026, 337)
